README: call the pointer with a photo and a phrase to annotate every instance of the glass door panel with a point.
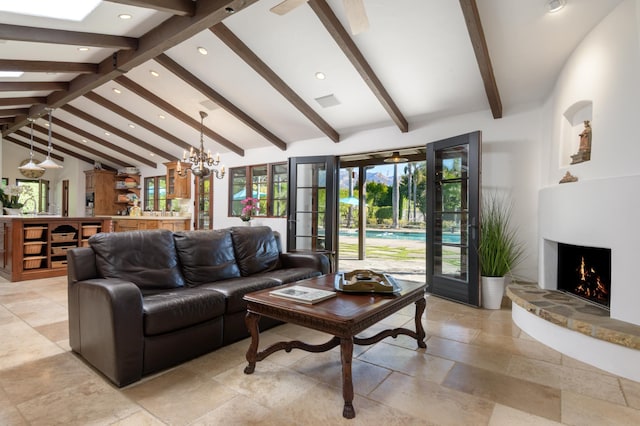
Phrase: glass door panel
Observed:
(452, 215)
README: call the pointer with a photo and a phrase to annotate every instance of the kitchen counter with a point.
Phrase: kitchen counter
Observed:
(35, 246)
(142, 223)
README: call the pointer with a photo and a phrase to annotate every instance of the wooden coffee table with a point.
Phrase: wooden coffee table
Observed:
(343, 316)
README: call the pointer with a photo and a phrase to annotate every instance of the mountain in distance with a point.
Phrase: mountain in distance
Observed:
(372, 176)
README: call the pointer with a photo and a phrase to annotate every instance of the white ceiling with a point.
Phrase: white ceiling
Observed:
(419, 49)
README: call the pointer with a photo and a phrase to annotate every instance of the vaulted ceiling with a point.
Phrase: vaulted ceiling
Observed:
(133, 97)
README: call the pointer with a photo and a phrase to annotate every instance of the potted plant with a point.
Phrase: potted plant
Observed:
(9, 197)
(250, 205)
(499, 251)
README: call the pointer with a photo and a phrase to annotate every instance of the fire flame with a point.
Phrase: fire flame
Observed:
(590, 284)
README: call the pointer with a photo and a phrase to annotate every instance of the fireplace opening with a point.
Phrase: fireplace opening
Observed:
(585, 272)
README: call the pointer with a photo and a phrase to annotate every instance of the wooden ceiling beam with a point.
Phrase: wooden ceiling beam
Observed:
(166, 106)
(216, 97)
(27, 100)
(32, 86)
(13, 112)
(35, 148)
(112, 129)
(48, 66)
(79, 145)
(117, 109)
(479, 43)
(357, 59)
(168, 34)
(62, 149)
(174, 7)
(88, 135)
(247, 55)
(74, 38)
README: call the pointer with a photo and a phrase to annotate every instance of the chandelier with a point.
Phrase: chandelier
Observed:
(201, 164)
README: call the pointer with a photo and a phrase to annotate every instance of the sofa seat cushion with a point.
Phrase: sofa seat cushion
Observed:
(146, 258)
(206, 256)
(234, 290)
(256, 249)
(171, 310)
(289, 275)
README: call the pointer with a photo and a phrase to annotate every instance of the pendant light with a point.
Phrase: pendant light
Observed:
(31, 165)
(48, 163)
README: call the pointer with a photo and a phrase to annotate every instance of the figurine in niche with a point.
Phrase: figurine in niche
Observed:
(584, 150)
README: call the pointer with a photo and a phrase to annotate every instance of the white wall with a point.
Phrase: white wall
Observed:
(602, 207)
(510, 163)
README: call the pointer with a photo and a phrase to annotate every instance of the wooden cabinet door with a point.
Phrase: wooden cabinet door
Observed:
(178, 186)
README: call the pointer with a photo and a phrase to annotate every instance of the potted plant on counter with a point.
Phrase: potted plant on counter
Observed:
(499, 251)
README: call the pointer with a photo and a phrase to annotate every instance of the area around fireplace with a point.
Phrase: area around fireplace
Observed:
(577, 328)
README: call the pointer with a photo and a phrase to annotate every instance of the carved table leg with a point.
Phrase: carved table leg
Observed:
(252, 353)
(420, 307)
(346, 353)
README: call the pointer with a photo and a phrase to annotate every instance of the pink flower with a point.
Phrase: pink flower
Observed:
(250, 205)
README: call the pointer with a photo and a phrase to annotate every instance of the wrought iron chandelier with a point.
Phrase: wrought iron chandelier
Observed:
(201, 164)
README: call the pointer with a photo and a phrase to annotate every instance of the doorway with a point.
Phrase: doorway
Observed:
(381, 212)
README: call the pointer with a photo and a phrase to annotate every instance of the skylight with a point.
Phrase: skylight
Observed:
(11, 74)
(70, 10)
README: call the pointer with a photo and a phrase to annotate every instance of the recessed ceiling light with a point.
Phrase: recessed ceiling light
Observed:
(83, 49)
(132, 126)
(202, 50)
(161, 117)
(124, 16)
(555, 5)
(151, 154)
(320, 75)
(11, 74)
(107, 134)
(84, 141)
(154, 73)
(116, 90)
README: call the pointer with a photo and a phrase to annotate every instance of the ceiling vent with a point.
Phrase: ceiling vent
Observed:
(209, 104)
(328, 101)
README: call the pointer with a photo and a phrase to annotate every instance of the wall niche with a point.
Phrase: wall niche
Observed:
(573, 126)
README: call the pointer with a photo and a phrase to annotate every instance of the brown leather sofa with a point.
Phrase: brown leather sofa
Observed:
(143, 301)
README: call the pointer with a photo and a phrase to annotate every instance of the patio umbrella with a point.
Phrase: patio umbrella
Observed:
(352, 201)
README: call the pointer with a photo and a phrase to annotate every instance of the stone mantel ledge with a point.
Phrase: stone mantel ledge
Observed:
(574, 314)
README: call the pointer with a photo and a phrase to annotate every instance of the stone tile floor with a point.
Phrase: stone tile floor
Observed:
(478, 369)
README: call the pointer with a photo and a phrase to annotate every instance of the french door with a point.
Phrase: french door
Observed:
(453, 202)
(312, 207)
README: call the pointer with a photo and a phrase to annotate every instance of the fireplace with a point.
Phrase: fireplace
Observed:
(585, 272)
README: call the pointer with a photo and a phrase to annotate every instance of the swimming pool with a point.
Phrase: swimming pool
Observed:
(447, 237)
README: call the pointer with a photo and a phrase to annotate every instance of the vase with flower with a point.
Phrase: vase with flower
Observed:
(251, 206)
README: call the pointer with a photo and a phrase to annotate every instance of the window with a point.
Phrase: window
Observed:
(34, 196)
(155, 195)
(266, 182)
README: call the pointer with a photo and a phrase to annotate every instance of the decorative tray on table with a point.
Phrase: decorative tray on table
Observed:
(365, 281)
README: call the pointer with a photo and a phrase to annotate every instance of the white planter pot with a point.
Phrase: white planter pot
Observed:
(492, 292)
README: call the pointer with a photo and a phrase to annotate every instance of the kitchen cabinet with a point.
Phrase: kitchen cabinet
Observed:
(145, 223)
(178, 186)
(127, 190)
(99, 192)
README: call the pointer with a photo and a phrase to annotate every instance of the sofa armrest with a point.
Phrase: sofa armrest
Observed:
(318, 261)
(109, 325)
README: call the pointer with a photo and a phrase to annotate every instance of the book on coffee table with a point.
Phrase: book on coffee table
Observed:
(303, 294)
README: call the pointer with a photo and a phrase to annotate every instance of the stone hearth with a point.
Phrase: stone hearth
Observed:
(577, 328)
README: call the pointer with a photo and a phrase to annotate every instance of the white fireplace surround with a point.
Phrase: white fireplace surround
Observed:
(595, 213)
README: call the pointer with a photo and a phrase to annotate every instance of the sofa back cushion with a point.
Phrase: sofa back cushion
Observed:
(206, 256)
(146, 258)
(256, 249)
